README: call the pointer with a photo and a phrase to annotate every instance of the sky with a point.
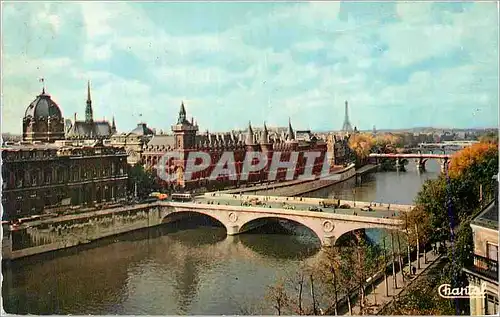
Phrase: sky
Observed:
(398, 64)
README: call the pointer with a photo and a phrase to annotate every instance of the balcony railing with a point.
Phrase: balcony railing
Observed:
(486, 267)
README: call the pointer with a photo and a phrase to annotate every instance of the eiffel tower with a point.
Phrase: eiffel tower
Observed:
(346, 127)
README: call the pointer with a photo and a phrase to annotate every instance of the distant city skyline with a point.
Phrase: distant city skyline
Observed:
(399, 65)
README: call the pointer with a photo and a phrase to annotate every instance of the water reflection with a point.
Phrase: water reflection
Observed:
(388, 187)
(180, 268)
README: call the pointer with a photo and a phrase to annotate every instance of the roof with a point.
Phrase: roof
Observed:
(90, 129)
(488, 218)
(43, 106)
(142, 129)
(162, 140)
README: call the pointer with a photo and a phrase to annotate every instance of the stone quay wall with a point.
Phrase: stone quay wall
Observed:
(67, 231)
(306, 186)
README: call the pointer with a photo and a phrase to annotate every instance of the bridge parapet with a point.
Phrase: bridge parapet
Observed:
(312, 201)
(327, 226)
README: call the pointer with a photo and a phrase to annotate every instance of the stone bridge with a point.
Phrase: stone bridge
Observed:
(328, 227)
(420, 159)
(60, 232)
(448, 144)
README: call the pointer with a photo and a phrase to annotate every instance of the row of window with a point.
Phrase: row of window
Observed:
(49, 176)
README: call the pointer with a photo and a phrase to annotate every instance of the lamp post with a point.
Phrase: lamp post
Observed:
(408, 239)
(418, 246)
(393, 262)
(385, 272)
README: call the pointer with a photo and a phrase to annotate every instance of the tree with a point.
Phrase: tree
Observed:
(479, 154)
(329, 271)
(450, 203)
(358, 262)
(298, 284)
(387, 143)
(144, 180)
(432, 199)
(278, 296)
(417, 223)
(361, 145)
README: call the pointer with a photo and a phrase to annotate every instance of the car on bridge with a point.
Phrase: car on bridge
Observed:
(184, 197)
(254, 202)
(328, 203)
(315, 209)
(288, 206)
(366, 208)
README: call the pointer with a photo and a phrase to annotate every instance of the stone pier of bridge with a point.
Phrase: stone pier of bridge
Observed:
(420, 159)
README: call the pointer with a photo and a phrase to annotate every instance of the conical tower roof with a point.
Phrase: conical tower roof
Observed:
(250, 140)
(290, 133)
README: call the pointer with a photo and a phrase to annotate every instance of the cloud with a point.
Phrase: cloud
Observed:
(399, 64)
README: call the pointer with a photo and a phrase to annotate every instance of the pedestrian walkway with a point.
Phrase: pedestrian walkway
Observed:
(376, 301)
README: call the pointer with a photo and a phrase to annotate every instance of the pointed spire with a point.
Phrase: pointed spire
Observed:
(88, 91)
(250, 137)
(89, 114)
(113, 125)
(291, 134)
(182, 114)
(183, 109)
(265, 135)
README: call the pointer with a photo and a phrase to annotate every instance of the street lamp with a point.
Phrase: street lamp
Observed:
(354, 196)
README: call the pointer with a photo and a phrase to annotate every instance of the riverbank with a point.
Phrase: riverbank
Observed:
(301, 187)
(337, 171)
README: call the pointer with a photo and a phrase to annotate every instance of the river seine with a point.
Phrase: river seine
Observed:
(182, 268)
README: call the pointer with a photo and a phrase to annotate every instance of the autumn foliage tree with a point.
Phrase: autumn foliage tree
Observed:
(388, 142)
(361, 144)
(476, 154)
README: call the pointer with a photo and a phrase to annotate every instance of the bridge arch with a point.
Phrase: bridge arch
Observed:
(177, 215)
(348, 228)
(322, 228)
(261, 221)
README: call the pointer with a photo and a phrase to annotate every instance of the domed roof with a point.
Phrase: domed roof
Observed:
(43, 106)
(142, 129)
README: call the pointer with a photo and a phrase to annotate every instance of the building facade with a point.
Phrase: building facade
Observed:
(133, 142)
(45, 171)
(338, 149)
(484, 272)
(186, 139)
(40, 176)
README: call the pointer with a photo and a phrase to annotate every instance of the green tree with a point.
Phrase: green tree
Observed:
(145, 181)
(451, 202)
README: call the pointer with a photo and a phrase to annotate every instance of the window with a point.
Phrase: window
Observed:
(491, 304)
(492, 251)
